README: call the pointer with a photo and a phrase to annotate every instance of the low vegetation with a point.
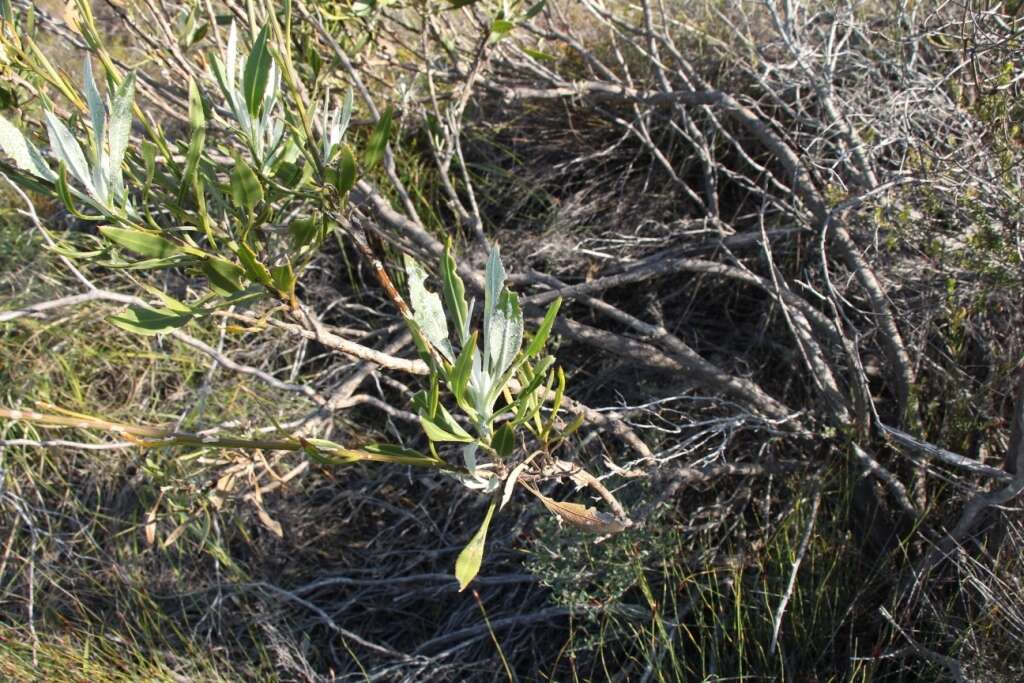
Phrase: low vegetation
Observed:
(505, 341)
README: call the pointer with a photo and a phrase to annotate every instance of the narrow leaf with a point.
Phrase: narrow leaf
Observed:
(460, 372)
(467, 566)
(541, 335)
(448, 432)
(143, 243)
(427, 309)
(257, 73)
(505, 333)
(378, 139)
(197, 120)
(97, 112)
(149, 321)
(22, 152)
(67, 149)
(580, 516)
(454, 292)
(119, 131)
(225, 277)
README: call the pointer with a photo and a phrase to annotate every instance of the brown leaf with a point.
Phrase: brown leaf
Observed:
(270, 523)
(580, 516)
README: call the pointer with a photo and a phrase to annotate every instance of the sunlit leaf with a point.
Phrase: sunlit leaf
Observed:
(149, 321)
(257, 73)
(427, 309)
(22, 152)
(67, 149)
(541, 335)
(467, 566)
(143, 243)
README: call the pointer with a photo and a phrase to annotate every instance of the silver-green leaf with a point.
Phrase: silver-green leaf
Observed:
(427, 310)
(22, 152)
(67, 149)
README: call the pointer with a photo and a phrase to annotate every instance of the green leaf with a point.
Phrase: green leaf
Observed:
(541, 335)
(197, 120)
(440, 429)
(467, 566)
(427, 310)
(173, 305)
(501, 26)
(15, 145)
(535, 10)
(504, 440)
(257, 73)
(494, 282)
(378, 140)
(256, 271)
(143, 243)
(540, 56)
(149, 321)
(344, 170)
(68, 151)
(303, 231)
(97, 112)
(456, 4)
(393, 450)
(454, 292)
(505, 333)
(460, 372)
(246, 190)
(225, 277)
(284, 279)
(119, 130)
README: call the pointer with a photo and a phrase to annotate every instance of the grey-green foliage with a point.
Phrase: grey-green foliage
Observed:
(476, 379)
(99, 179)
(475, 376)
(250, 84)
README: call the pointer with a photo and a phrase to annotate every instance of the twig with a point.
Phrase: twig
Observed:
(791, 585)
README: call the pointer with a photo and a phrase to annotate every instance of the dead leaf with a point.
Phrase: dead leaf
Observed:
(580, 516)
(269, 522)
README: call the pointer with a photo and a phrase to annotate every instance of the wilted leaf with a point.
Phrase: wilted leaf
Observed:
(580, 516)
(272, 524)
(467, 566)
